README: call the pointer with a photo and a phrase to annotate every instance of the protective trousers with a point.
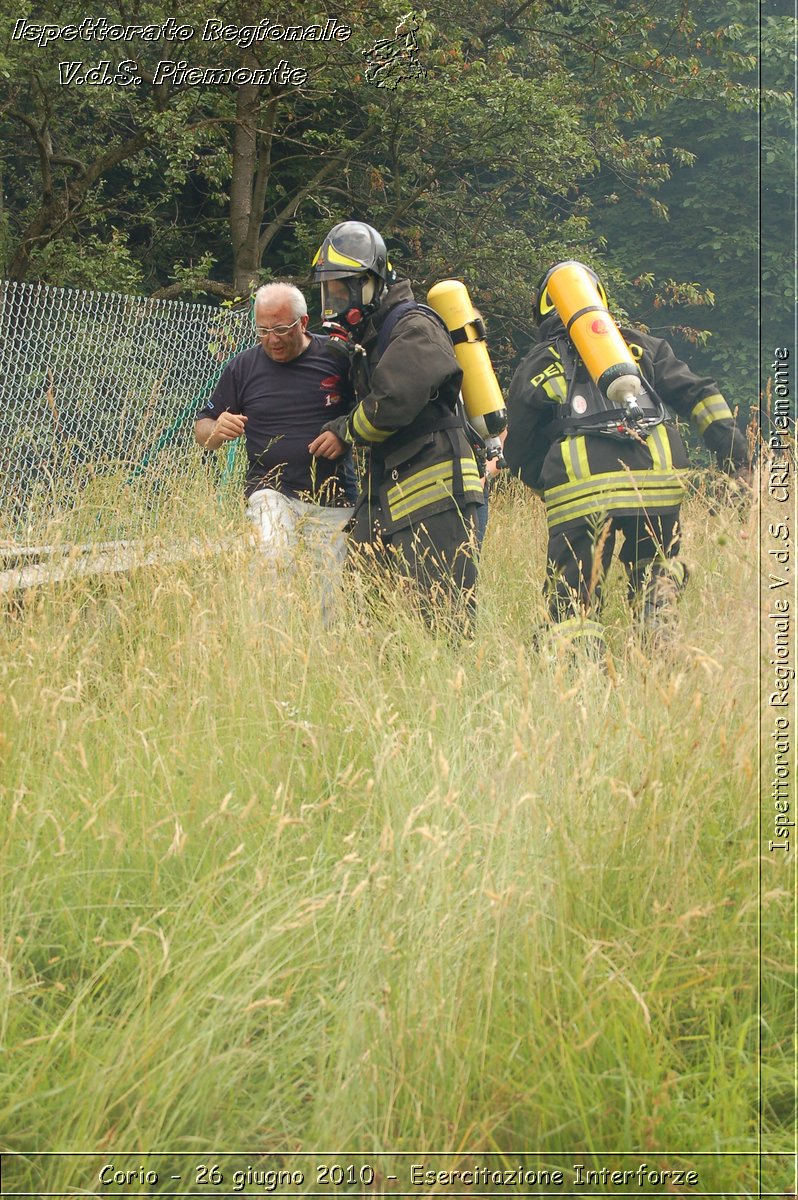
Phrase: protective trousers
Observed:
(436, 556)
(579, 559)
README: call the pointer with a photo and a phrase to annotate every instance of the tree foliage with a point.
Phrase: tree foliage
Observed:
(478, 163)
(706, 226)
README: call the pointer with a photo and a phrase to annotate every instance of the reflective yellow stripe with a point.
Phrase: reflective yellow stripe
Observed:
(573, 633)
(613, 490)
(566, 459)
(422, 498)
(660, 448)
(437, 473)
(420, 479)
(555, 389)
(342, 260)
(631, 502)
(574, 627)
(364, 429)
(626, 497)
(429, 495)
(613, 480)
(428, 486)
(581, 456)
(333, 256)
(570, 461)
(714, 408)
(574, 457)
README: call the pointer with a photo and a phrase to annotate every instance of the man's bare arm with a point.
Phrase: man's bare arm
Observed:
(212, 434)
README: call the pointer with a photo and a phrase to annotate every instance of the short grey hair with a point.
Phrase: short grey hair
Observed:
(271, 292)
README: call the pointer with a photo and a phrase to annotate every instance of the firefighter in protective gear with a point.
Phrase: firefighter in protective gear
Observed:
(353, 269)
(421, 488)
(602, 473)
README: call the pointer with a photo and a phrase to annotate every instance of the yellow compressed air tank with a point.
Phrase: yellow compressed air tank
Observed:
(571, 288)
(482, 396)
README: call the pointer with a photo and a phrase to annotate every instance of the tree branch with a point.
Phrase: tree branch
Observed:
(55, 213)
(264, 159)
(44, 146)
(505, 24)
(288, 210)
(212, 286)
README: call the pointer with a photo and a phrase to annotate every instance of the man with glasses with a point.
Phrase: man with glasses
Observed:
(278, 394)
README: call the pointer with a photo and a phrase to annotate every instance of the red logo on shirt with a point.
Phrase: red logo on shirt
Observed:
(331, 385)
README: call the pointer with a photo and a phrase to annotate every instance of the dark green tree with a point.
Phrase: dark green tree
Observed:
(475, 158)
(699, 247)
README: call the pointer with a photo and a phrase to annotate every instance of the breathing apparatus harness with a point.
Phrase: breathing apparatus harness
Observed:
(393, 316)
(589, 411)
(488, 445)
(342, 342)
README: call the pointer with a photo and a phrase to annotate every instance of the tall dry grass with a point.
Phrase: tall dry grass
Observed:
(281, 884)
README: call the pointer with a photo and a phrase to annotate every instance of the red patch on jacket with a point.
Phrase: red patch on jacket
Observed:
(331, 385)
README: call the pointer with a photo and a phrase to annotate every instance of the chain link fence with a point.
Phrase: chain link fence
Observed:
(98, 386)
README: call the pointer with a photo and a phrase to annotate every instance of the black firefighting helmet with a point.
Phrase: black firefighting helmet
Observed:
(355, 254)
(544, 305)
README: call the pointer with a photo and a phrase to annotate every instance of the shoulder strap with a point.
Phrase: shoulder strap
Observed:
(386, 329)
(395, 314)
(605, 420)
(454, 402)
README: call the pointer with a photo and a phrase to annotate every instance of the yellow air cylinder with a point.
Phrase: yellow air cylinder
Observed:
(482, 396)
(594, 333)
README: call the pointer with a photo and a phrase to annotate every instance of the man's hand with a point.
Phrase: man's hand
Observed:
(229, 426)
(327, 445)
(211, 434)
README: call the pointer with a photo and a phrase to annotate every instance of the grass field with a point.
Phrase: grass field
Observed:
(280, 887)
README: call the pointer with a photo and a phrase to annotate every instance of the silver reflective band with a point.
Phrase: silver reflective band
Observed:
(280, 330)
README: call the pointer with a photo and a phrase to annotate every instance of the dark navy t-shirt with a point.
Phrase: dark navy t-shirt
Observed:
(286, 404)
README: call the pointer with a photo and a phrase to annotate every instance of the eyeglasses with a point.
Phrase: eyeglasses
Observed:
(278, 330)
